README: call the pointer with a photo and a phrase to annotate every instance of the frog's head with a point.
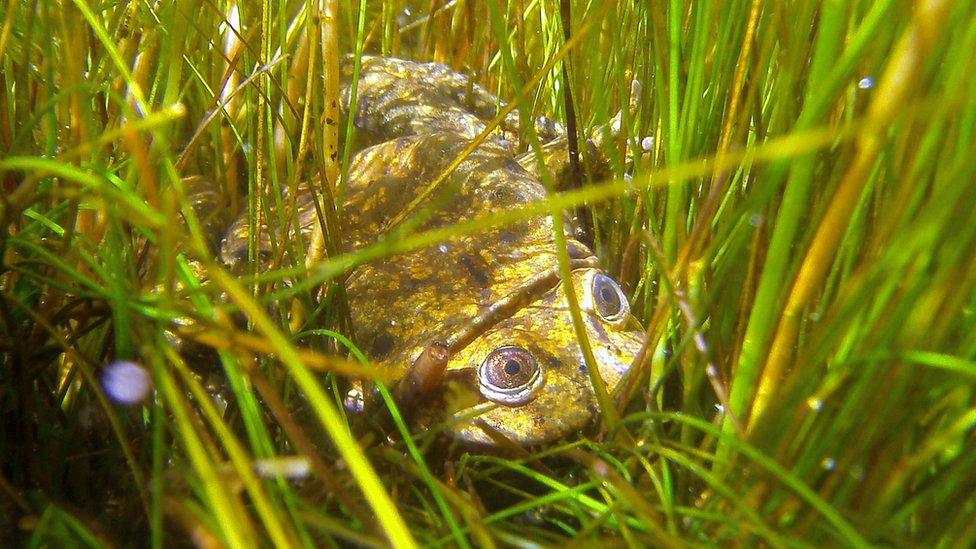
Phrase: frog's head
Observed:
(526, 378)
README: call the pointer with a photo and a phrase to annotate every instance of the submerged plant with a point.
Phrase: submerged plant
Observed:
(788, 209)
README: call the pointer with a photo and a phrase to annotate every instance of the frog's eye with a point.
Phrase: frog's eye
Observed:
(608, 299)
(510, 376)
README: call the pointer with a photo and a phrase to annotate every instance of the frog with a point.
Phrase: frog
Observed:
(489, 308)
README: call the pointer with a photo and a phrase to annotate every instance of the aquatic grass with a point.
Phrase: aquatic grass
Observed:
(759, 116)
(606, 408)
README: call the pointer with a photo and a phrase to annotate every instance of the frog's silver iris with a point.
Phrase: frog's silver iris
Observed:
(609, 300)
(510, 375)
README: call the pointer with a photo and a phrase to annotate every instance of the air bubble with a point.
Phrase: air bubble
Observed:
(126, 382)
(293, 467)
(866, 83)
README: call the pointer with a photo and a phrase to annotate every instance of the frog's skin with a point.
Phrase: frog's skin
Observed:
(493, 299)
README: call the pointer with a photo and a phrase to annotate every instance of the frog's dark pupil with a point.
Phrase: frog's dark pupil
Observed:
(607, 294)
(512, 367)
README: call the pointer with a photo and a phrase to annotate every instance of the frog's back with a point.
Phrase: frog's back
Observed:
(399, 98)
(403, 302)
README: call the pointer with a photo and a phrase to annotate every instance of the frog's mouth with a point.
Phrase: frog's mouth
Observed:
(548, 415)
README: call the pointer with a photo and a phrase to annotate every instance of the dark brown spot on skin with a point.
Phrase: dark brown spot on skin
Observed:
(551, 362)
(329, 121)
(477, 269)
(381, 346)
(508, 237)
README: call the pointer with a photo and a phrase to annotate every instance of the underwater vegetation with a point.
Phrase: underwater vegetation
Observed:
(764, 212)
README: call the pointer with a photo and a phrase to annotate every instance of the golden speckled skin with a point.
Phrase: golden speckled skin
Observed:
(421, 117)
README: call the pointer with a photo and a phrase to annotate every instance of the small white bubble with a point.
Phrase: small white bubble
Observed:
(355, 401)
(177, 109)
(719, 408)
(442, 248)
(126, 382)
(404, 18)
(286, 466)
(636, 90)
(828, 464)
(392, 322)
(815, 404)
(866, 83)
(757, 220)
(647, 143)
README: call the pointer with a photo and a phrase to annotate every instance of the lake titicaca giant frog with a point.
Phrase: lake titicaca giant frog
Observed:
(490, 305)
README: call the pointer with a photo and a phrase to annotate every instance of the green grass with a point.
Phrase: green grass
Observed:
(798, 241)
